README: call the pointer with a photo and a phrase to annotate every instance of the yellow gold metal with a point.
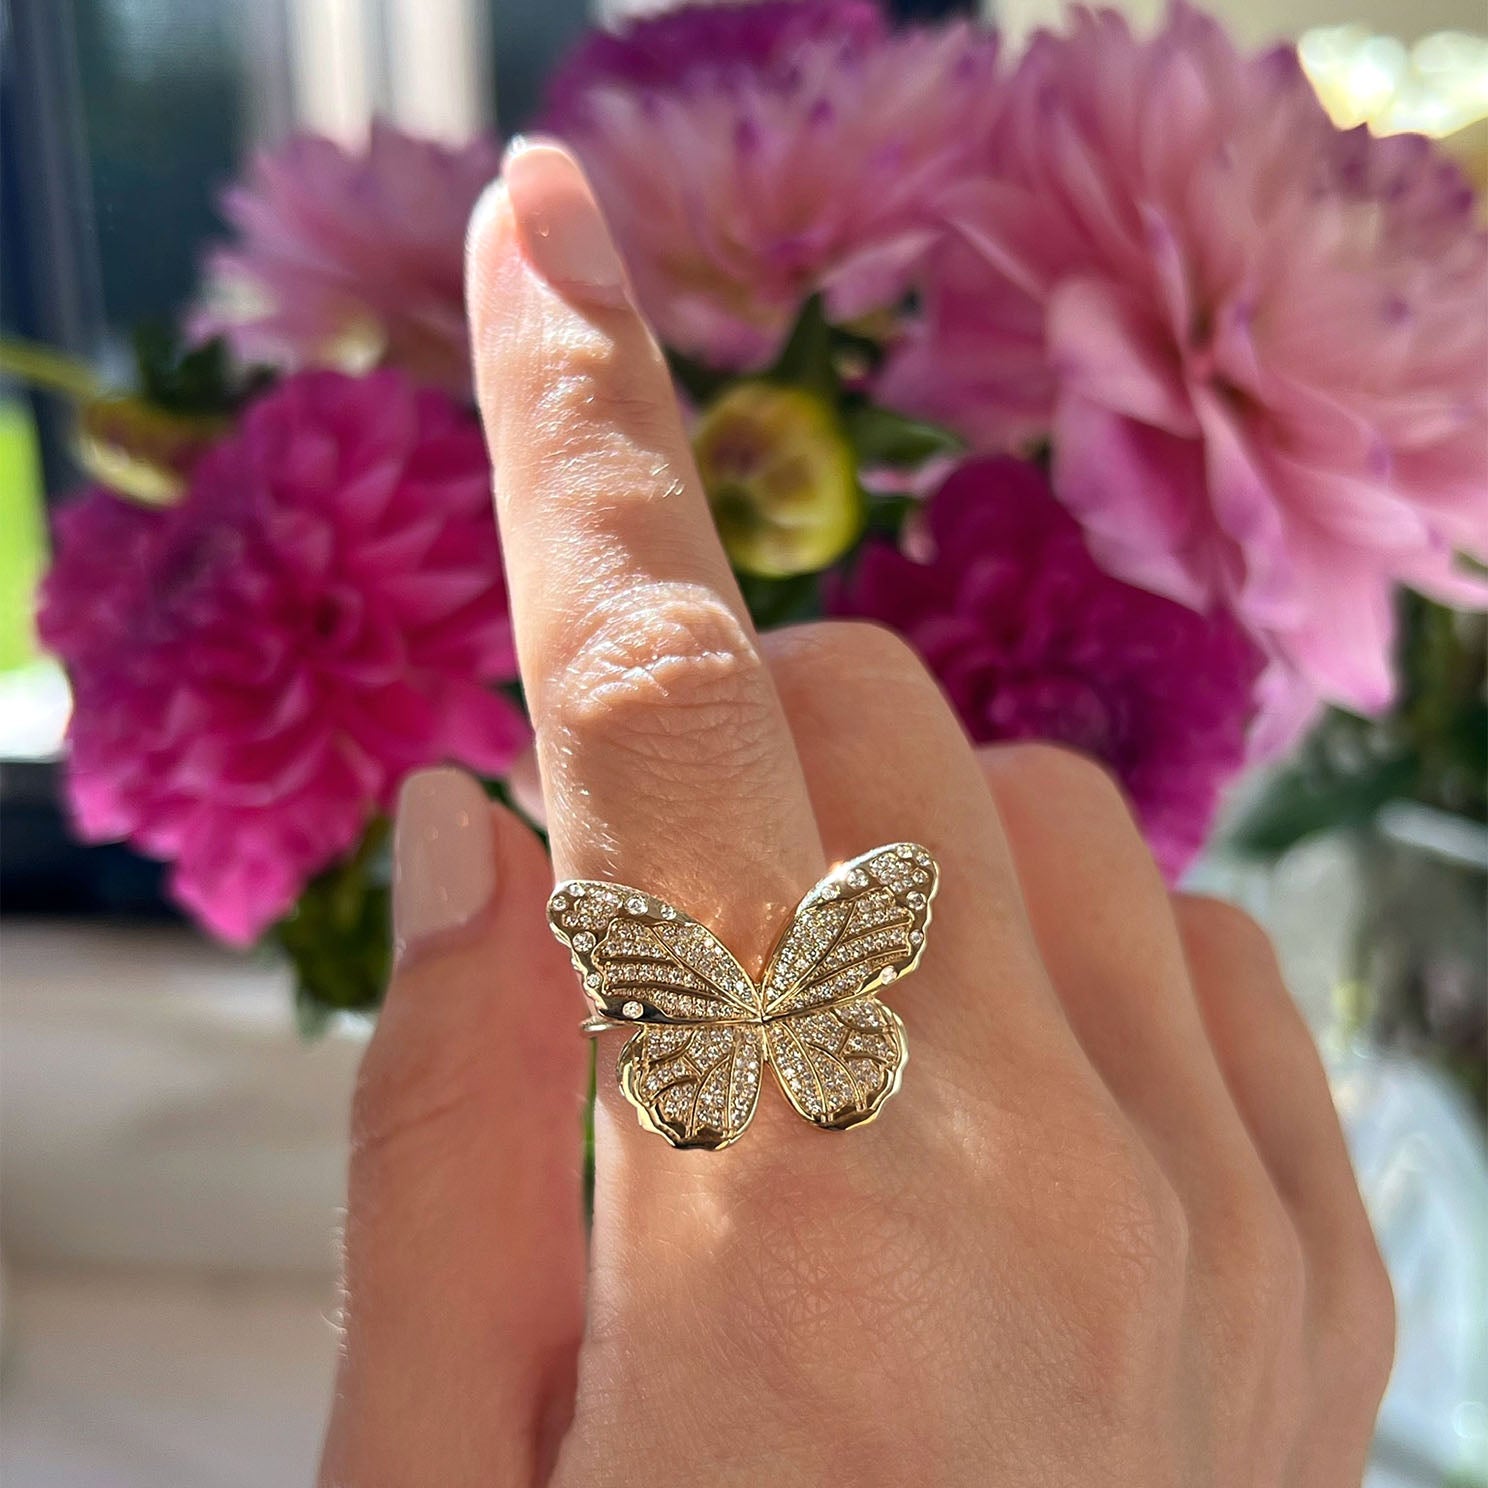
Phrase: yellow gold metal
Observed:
(704, 1029)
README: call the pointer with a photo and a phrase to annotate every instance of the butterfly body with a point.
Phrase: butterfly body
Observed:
(705, 1029)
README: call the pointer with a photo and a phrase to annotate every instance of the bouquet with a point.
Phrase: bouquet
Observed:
(1116, 378)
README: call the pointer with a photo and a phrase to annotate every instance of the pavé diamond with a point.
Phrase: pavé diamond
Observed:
(837, 1051)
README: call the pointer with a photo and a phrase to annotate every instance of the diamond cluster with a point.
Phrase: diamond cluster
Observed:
(865, 922)
(677, 968)
(702, 1081)
(837, 1052)
(837, 1061)
(901, 868)
(634, 953)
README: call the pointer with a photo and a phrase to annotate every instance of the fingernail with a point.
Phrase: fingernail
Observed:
(444, 863)
(488, 205)
(563, 232)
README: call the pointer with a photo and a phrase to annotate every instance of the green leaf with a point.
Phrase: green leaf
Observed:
(588, 1133)
(1305, 798)
(887, 514)
(775, 602)
(200, 380)
(339, 935)
(881, 437)
(808, 358)
(701, 383)
(312, 1016)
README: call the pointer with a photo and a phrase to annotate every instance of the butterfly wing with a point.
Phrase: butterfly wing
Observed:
(692, 1072)
(695, 1084)
(840, 1052)
(640, 959)
(839, 1064)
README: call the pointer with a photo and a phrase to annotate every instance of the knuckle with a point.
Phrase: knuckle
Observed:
(397, 1099)
(1129, 1298)
(415, 1082)
(1225, 928)
(1264, 1263)
(1366, 1315)
(853, 648)
(1133, 1230)
(1052, 771)
(600, 395)
(1144, 1236)
(665, 674)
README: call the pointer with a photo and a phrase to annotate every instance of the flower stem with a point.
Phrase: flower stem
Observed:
(42, 367)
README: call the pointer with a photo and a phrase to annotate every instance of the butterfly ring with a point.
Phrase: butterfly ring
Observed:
(693, 1067)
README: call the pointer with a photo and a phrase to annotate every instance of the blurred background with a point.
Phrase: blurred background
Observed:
(172, 1148)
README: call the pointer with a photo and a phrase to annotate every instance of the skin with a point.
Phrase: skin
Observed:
(1107, 1230)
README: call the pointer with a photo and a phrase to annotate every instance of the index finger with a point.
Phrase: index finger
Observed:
(666, 759)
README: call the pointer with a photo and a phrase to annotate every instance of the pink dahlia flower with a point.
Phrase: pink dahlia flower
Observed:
(1031, 640)
(1260, 345)
(749, 155)
(255, 669)
(350, 258)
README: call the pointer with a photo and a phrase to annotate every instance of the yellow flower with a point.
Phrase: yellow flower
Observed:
(781, 479)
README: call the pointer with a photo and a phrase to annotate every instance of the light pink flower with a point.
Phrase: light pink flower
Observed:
(748, 156)
(255, 669)
(1032, 641)
(350, 256)
(1259, 345)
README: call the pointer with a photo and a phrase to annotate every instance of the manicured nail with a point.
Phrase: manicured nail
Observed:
(491, 201)
(444, 864)
(563, 232)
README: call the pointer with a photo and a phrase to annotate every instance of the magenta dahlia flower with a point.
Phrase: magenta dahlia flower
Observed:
(1260, 345)
(350, 258)
(1031, 640)
(256, 668)
(749, 155)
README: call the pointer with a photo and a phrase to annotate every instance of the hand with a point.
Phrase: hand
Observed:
(1107, 1232)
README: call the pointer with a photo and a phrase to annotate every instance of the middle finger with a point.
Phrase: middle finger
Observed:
(665, 756)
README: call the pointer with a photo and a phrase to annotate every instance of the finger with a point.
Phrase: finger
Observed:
(1104, 923)
(1272, 1067)
(464, 1247)
(885, 760)
(665, 758)
(1057, 1193)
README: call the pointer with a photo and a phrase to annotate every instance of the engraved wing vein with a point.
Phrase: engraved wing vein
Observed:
(696, 1084)
(867, 926)
(629, 973)
(628, 947)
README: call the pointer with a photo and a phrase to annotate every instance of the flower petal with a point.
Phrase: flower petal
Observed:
(1107, 350)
